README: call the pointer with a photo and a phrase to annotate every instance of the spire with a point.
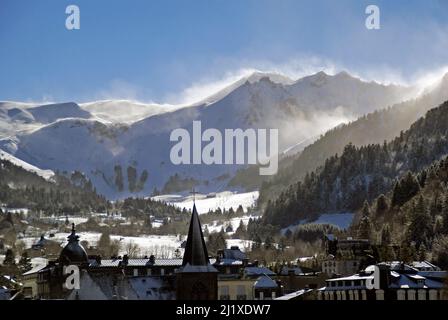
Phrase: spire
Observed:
(195, 251)
(73, 237)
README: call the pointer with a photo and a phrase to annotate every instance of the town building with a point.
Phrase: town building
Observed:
(230, 275)
(387, 281)
(346, 256)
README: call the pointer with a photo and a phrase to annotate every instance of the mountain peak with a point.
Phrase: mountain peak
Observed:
(343, 74)
(271, 76)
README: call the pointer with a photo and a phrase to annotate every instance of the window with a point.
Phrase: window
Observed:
(241, 289)
(224, 293)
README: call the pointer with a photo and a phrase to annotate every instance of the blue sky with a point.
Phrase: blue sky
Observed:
(175, 51)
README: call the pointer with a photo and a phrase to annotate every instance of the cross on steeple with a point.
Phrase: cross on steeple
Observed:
(194, 192)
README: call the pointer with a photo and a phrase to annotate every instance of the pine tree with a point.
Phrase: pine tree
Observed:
(385, 235)
(420, 228)
(268, 242)
(422, 252)
(257, 242)
(9, 258)
(407, 252)
(365, 227)
(25, 262)
(381, 204)
(365, 209)
(206, 231)
(444, 226)
(240, 231)
(104, 244)
(396, 194)
(215, 242)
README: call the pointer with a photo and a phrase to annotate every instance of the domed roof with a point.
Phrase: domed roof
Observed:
(73, 252)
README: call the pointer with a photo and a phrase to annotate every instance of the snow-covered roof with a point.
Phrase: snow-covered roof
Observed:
(227, 262)
(285, 270)
(254, 271)
(188, 268)
(424, 265)
(353, 277)
(401, 277)
(234, 253)
(152, 288)
(293, 295)
(137, 262)
(304, 259)
(34, 270)
(265, 282)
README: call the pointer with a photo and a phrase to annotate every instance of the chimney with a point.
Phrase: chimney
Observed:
(245, 262)
(125, 260)
(152, 259)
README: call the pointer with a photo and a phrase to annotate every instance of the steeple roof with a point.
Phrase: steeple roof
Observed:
(73, 252)
(195, 250)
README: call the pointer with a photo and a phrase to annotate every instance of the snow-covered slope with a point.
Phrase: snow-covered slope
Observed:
(52, 112)
(341, 220)
(115, 142)
(123, 111)
(205, 203)
(46, 174)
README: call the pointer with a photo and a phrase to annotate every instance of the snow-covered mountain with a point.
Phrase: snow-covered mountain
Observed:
(123, 111)
(124, 146)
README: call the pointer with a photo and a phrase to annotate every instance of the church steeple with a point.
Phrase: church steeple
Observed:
(195, 250)
(197, 279)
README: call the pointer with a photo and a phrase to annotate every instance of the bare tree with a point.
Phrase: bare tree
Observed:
(132, 249)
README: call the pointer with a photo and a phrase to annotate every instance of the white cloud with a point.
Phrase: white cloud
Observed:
(207, 86)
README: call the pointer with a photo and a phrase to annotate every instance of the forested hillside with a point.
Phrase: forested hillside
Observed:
(374, 128)
(345, 181)
(73, 193)
(414, 215)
